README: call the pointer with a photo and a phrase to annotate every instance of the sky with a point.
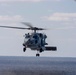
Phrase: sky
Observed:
(57, 16)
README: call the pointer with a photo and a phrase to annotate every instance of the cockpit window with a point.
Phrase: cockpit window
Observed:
(35, 36)
(40, 35)
(27, 35)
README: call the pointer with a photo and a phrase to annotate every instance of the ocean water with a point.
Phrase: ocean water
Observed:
(37, 66)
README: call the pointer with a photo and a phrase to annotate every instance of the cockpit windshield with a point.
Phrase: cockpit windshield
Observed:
(27, 35)
(35, 36)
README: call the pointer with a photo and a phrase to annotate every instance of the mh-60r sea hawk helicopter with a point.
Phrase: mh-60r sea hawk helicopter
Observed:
(35, 40)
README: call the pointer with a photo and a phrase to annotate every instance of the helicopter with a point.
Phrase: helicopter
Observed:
(34, 40)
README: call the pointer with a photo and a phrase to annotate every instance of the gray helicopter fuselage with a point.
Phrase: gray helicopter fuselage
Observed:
(35, 41)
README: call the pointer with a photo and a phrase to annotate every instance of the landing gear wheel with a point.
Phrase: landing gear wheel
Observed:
(37, 55)
(24, 49)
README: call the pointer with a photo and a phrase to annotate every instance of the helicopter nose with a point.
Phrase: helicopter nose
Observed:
(31, 41)
(28, 41)
(25, 41)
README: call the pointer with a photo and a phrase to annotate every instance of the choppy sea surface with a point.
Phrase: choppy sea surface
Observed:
(37, 65)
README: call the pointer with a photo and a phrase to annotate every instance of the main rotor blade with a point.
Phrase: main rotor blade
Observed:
(63, 28)
(41, 29)
(14, 27)
(31, 27)
(27, 24)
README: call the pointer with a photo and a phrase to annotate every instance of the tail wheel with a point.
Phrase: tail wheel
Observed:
(38, 55)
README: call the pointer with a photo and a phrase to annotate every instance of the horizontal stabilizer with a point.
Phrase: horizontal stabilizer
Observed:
(51, 48)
